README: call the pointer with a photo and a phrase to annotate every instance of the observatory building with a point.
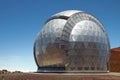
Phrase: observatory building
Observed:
(72, 41)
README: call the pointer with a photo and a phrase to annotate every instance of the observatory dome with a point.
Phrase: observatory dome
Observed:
(72, 41)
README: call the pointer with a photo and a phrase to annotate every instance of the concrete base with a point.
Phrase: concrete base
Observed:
(62, 76)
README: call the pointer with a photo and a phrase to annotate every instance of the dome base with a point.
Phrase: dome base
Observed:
(51, 69)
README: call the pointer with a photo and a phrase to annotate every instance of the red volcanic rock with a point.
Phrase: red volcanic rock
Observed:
(115, 60)
(61, 76)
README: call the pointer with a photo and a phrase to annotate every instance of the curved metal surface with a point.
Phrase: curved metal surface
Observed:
(67, 13)
(78, 43)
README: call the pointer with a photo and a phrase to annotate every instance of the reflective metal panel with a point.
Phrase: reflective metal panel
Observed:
(67, 13)
(76, 43)
(47, 51)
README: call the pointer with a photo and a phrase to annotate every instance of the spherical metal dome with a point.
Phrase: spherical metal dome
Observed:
(72, 41)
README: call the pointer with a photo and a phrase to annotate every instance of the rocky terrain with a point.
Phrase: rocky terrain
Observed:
(115, 60)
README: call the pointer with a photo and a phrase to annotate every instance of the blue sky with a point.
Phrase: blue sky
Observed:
(21, 20)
